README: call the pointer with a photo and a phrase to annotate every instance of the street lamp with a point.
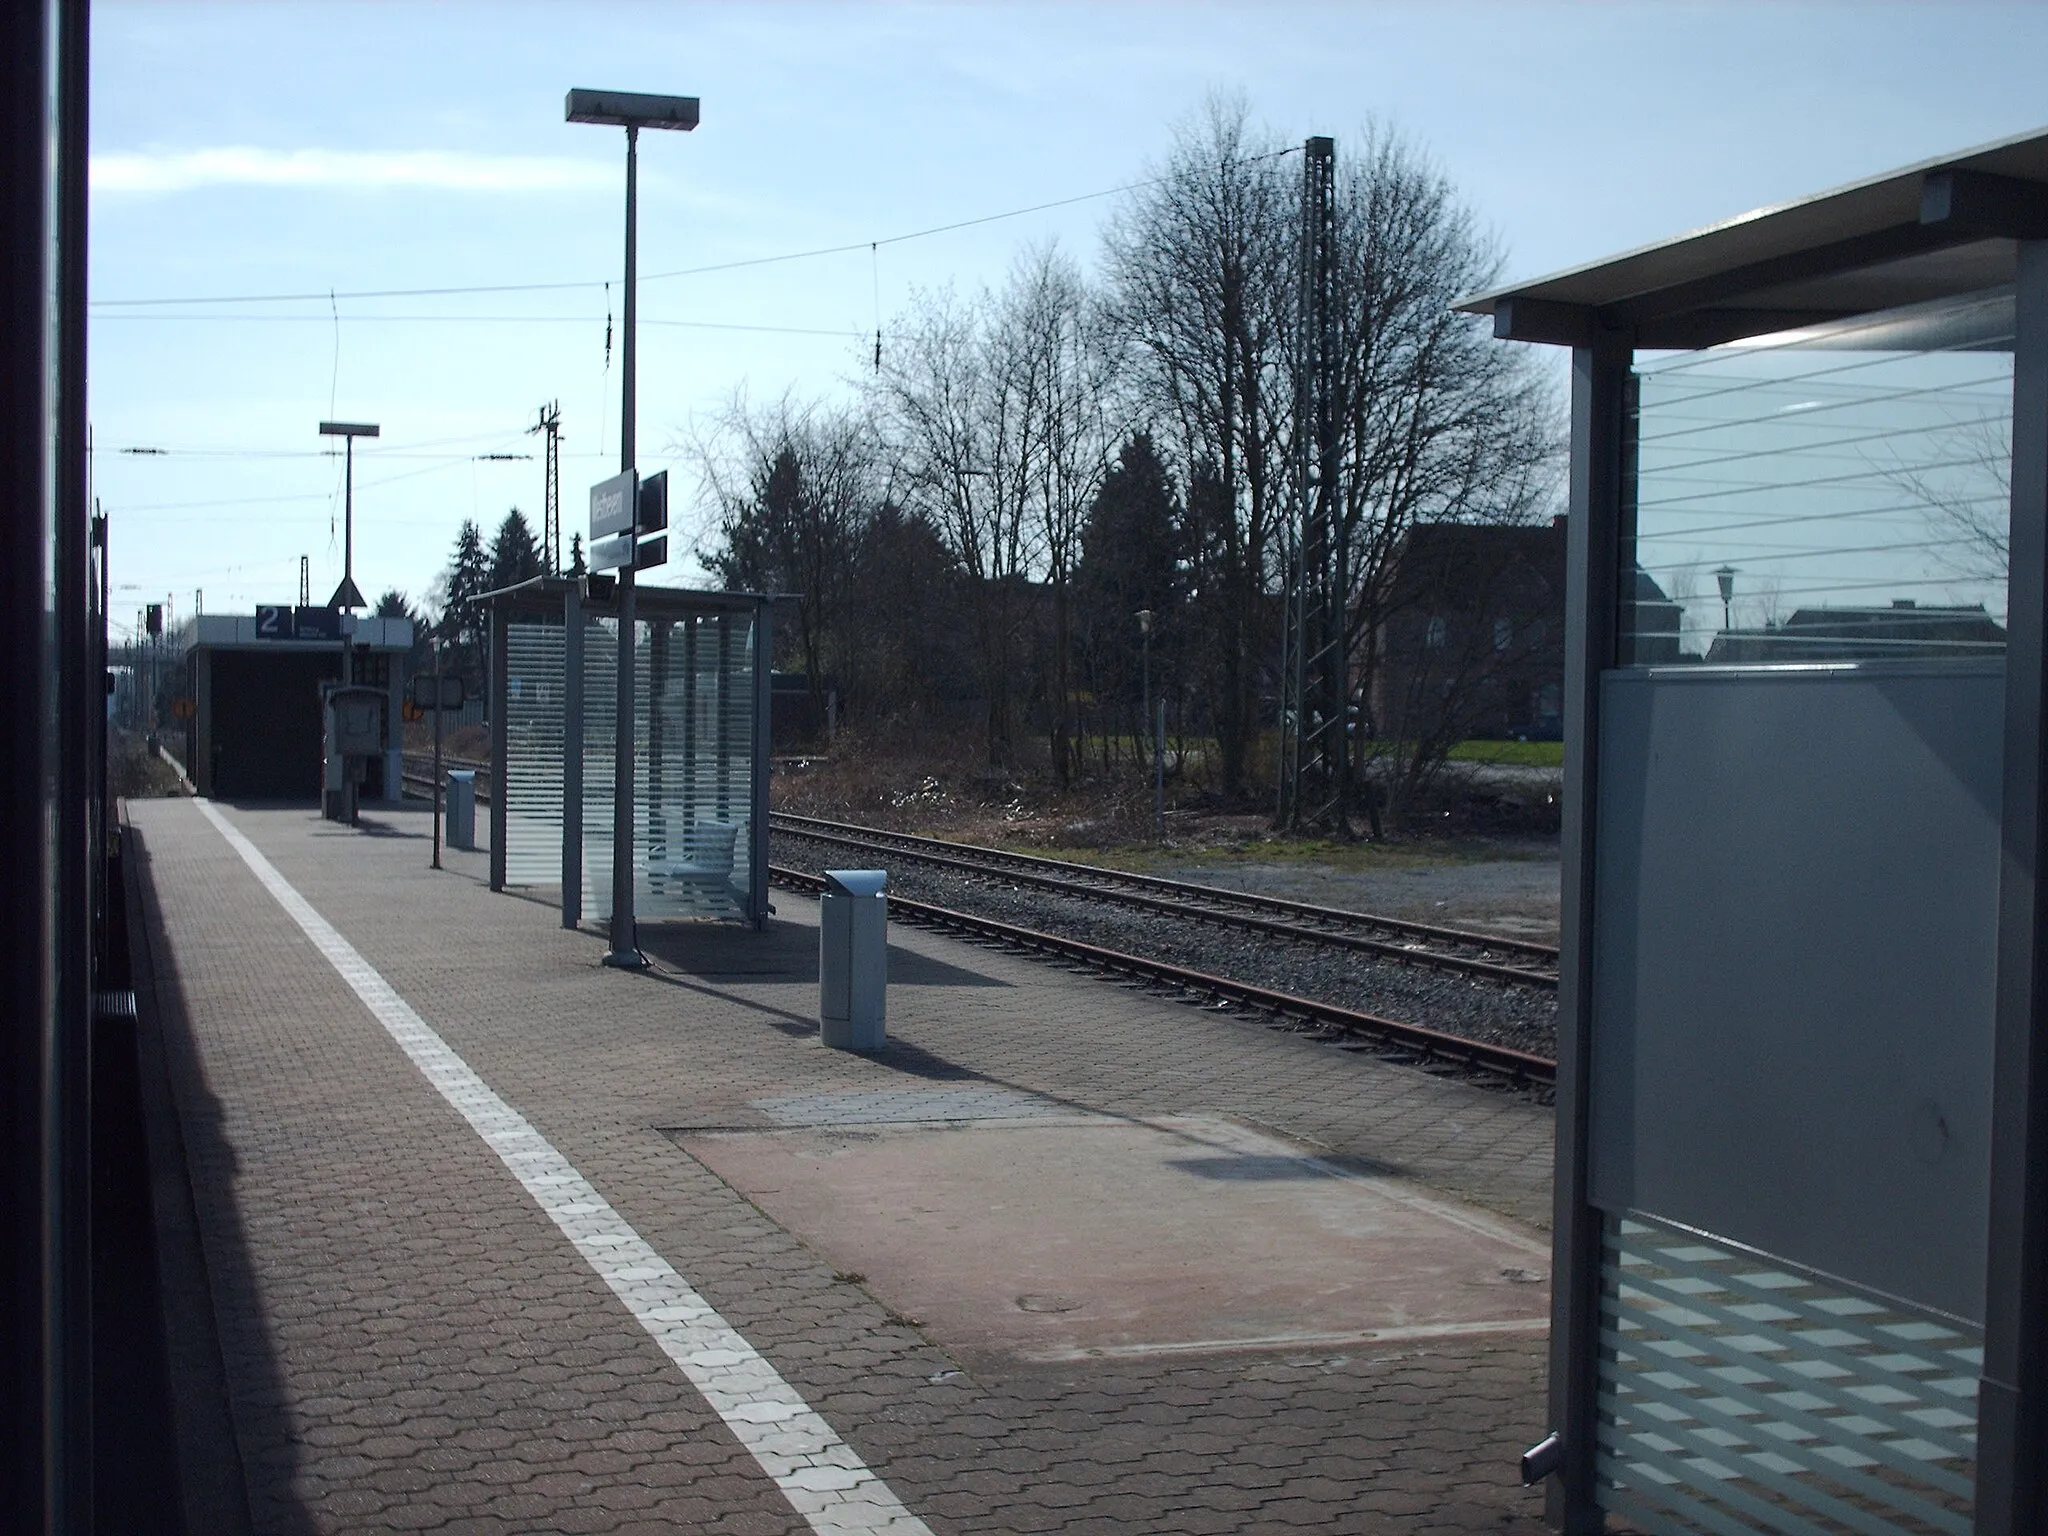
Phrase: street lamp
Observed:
(1725, 577)
(346, 596)
(631, 111)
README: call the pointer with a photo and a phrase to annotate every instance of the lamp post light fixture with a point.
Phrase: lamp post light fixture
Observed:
(1725, 576)
(346, 595)
(631, 111)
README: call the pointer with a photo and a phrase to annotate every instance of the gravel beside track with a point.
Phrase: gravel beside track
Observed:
(1518, 1017)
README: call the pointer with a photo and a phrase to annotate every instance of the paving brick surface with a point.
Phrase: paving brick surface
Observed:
(411, 1345)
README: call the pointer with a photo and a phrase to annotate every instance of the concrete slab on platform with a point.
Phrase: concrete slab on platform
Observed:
(1024, 1232)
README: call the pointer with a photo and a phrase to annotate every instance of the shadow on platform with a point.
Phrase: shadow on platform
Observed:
(207, 1271)
(786, 952)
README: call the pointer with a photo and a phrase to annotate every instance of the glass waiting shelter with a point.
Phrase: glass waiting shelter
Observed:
(1801, 1277)
(700, 748)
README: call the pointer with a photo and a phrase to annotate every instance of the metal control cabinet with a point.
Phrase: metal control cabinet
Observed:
(853, 959)
(355, 734)
(462, 809)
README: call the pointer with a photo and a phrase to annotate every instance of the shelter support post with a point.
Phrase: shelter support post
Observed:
(764, 730)
(572, 757)
(498, 691)
(1594, 550)
(2012, 1409)
(394, 730)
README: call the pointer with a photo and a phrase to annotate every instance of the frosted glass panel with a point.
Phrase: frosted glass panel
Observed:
(696, 772)
(1737, 1396)
(600, 758)
(533, 754)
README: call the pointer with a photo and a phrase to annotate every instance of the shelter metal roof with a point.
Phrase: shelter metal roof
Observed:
(545, 593)
(1933, 230)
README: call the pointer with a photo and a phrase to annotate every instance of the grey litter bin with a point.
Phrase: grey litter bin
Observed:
(461, 809)
(853, 959)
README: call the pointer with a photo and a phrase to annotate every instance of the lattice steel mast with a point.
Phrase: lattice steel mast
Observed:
(1315, 749)
(550, 425)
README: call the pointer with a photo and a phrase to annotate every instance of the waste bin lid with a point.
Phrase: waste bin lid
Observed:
(857, 882)
(464, 774)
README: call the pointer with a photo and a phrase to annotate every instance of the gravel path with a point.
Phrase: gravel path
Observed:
(1520, 1017)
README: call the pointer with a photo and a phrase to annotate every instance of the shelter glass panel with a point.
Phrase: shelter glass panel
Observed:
(1737, 1395)
(533, 754)
(600, 759)
(1838, 493)
(695, 776)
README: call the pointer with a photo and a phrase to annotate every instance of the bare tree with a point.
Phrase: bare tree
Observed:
(964, 401)
(1963, 486)
(791, 490)
(1201, 269)
(1437, 422)
(1052, 341)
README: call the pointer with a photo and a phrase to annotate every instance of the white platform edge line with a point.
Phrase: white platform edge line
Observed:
(823, 1478)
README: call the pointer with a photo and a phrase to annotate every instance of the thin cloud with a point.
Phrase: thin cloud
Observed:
(360, 170)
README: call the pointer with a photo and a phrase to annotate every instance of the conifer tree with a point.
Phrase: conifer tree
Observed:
(515, 554)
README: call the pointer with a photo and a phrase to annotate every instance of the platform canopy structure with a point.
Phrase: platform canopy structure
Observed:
(1801, 1278)
(700, 742)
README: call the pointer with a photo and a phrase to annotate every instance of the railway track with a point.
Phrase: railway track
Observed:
(1515, 962)
(1387, 1037)
(419, 769)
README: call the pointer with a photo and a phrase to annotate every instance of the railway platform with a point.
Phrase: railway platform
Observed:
(474, 1234)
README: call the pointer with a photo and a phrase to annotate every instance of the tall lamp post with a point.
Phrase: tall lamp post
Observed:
(346, 596)
(1725, 577)
(631, 111)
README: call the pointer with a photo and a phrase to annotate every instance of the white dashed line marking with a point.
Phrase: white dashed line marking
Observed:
(820, 1475)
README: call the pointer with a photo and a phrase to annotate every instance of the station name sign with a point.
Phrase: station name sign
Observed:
(282, 621)
(612, 504)
(624, 511)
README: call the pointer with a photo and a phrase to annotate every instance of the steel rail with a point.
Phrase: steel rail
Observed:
(1518, 1067)
(1326, 925)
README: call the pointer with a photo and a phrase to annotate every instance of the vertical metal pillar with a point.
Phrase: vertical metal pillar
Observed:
(2012, 1400)
(348, 551)
(438, 713)
(499, 691)
(764, 726)
(1594, 540)
(625, 938)
(572, 756)
(69, 1065)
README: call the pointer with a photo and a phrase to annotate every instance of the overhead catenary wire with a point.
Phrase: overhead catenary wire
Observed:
(693, 325)
(588, 284)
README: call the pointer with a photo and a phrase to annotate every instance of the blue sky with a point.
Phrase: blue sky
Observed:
(244, 151)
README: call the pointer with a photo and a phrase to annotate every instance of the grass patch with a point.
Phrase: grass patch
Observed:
(1512, 754)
